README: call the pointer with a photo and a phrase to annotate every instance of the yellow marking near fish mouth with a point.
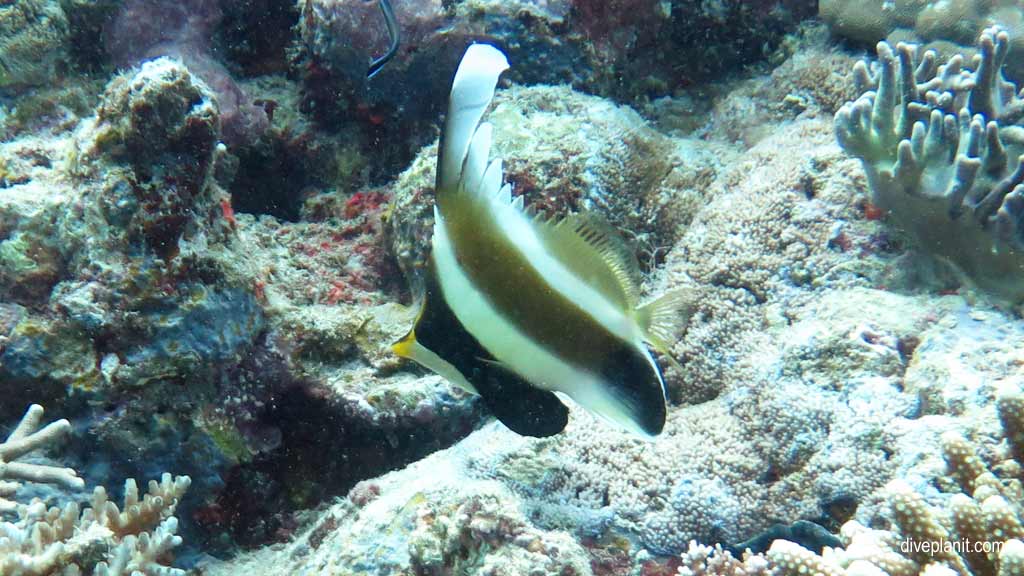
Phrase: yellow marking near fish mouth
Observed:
(404, 347)
(551, 303)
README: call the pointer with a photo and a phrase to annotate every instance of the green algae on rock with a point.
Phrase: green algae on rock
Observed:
(33, 42)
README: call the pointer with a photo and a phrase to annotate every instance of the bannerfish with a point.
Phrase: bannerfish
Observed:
(517, 307)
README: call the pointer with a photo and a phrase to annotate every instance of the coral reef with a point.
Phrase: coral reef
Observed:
(105, 540)
(149, 209)
(812, 82)
(426, 519)
(188, 334)
(33, 42)
(712, 37)
(225, 311)
(613, 49)
(942, 151)
(799, 337)
(564, 151)
(946, 26)
(147, 29)
(766, 235)
(978, 533)
(789, 450)
(163, 128)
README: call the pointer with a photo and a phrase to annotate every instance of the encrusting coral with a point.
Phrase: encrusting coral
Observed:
(980, 533)
(103, 540)
(942, 149)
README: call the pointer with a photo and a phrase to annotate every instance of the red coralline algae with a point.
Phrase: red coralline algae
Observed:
(228, 212)
(363, 202)
(872, 212)
(666, 568)
(338, 293)
(339, 249)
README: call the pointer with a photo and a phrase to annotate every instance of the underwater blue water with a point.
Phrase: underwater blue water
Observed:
(516, 287)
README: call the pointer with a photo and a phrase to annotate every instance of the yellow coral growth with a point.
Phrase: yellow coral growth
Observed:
(138, 515)
(1011, 559)
(964, 464)
(102, 540)
(927, 536)
(1010, 406)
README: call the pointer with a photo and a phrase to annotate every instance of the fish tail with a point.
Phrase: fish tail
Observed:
(662, 318)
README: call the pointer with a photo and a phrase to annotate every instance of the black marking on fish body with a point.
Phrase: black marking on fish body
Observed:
(520, 306)
(515, 289)
(631, 369)
(499, 271)
(522, 407)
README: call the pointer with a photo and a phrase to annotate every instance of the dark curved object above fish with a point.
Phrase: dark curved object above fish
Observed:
(393, 34)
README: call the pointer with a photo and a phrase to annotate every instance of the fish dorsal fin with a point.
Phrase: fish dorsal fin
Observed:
(463, 164)
(592, 250)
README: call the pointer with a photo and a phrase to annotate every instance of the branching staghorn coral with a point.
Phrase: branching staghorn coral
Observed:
(25, 438)
(980, 533)
(942, 147)
(103, 540)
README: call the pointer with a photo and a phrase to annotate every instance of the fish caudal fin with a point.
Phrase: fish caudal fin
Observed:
(662, 318)
(463, 164)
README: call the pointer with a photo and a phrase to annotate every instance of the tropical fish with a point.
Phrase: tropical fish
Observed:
(518, 307)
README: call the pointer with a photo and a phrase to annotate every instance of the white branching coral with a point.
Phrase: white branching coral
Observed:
(26, 437)
(105, 540)
(942, 149)
(701, 560)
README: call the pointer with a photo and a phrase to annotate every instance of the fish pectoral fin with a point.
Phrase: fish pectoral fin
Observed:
(494, 363)
(662, 318)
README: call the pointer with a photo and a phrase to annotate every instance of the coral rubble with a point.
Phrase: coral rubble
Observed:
(942, 149)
